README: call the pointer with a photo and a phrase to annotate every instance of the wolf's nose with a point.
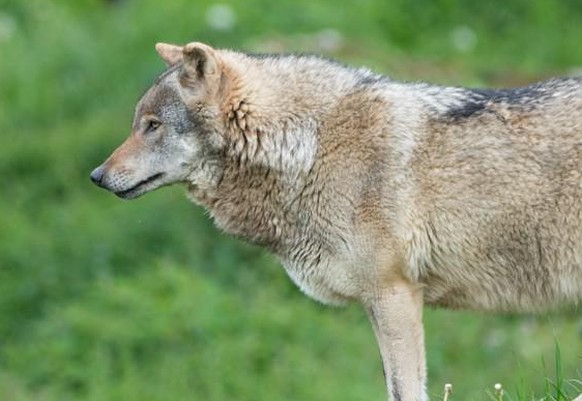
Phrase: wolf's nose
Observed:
(97, 175)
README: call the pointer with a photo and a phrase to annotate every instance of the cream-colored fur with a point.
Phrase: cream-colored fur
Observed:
(389, 194)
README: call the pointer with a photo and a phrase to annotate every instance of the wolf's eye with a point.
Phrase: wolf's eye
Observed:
(153, 125)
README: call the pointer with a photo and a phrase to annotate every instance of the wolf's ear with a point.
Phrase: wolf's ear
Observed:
(171, 54)
(200, 64)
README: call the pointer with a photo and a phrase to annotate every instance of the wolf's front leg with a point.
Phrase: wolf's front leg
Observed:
(396, 316)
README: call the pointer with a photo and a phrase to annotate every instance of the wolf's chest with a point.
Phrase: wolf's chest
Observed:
(325, 280)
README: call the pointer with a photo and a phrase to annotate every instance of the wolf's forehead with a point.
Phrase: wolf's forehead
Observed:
(162, 94)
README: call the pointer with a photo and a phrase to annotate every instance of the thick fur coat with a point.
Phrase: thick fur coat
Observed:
(394, 195)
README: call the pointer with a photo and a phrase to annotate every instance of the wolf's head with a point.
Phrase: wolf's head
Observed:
(175, 136)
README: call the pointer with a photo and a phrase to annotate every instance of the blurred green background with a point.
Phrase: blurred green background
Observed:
(102, 299)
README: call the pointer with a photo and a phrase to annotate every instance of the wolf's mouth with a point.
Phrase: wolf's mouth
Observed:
(135, 190)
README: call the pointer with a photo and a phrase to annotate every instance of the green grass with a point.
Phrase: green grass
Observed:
(108, 300)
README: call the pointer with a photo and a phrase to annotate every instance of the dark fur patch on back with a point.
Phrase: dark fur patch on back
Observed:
(527, 97)
(468, 109)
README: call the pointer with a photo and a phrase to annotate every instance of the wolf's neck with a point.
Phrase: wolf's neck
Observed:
(275, 92)
(255, 202)
(274, 115)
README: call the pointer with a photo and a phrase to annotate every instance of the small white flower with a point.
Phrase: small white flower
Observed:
(499, 391)
(448, 391)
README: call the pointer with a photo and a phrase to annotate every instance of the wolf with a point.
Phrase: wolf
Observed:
(390, 194)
